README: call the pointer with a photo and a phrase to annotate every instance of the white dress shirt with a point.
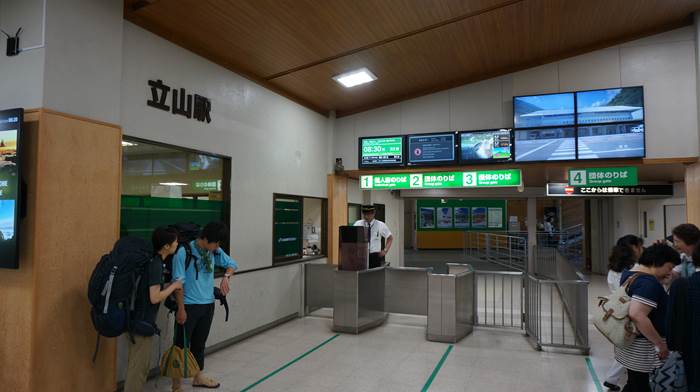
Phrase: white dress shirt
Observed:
(377, 230)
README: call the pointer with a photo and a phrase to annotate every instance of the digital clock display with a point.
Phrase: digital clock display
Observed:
(381, 151)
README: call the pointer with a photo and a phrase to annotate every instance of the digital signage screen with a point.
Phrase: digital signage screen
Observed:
(610, 105)
(547, 144)
(489, 145)
(381, 151)
(10, 135)
(607, 141)
(431, 149)
(550, 110)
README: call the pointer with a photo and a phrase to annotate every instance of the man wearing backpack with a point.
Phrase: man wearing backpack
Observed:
(196, 301)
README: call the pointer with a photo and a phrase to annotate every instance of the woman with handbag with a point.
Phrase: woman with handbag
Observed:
(648, 312)
(684, 322)
(623, 257)
(149, 295)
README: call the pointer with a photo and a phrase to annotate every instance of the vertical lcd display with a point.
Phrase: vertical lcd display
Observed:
(10, 133)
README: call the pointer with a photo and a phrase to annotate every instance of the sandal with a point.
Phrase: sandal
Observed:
(205, 382)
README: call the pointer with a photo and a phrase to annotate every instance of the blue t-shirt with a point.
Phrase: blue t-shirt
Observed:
(199, 291)
(647, 290)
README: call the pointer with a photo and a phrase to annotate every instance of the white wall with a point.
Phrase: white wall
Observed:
(23, 80)
(664, 64)
(276, 146)
(655, 212)
(626, 216)
(83, 64)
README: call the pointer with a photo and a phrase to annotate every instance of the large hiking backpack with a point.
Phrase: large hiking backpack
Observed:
(113, 285)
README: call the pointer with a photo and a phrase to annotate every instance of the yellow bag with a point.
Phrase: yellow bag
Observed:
(179, 362)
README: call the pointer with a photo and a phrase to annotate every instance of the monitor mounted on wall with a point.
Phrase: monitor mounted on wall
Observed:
(432, 149)
(10, 185)
(486, 146)
(381, 151)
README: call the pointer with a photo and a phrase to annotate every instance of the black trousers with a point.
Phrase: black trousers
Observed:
(637, 382)
(375, 260)
(197, 326)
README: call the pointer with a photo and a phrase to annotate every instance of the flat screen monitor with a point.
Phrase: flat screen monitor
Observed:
(383, 151)
(608, 141)
(546, 144)
(484, 146)
(10, 136)
(610, 105)
(432, 149)
(549, 110)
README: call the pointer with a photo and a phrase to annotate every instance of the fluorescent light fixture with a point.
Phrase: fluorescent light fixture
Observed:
(355, 78)
(128, 144)
(173, 184)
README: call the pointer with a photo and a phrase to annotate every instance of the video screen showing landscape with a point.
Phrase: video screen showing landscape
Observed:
(485, 145)
(610, 105)
(548, 144)
(550, 110)
(611, 141)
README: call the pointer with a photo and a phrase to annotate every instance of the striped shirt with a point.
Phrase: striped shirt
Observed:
(641, 355)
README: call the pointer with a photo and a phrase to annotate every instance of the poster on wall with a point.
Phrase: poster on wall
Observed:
(461, 217)
(479, 218)
(496, 218)
(444, 218)
(427, 218)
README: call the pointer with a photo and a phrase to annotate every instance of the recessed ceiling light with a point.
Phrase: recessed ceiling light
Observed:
(128, 144)
(173, 183)
(355, 78)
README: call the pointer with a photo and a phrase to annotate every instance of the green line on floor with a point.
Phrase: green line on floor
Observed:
(594, 376)
(437, 368)
(288, 364)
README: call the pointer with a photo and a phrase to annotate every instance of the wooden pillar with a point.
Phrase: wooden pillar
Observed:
(73, 170)
(337, 212)
(692, 193)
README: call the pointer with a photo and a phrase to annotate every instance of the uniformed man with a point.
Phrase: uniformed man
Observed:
(377, 231)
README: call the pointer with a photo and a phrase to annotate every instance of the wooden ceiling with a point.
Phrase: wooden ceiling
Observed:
(415, 47)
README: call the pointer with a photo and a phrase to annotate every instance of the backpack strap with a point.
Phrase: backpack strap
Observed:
(628, 283)
(107, 290)
(97, 348)
(189, 257)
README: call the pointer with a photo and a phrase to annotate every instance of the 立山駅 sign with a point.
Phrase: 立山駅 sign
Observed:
(603, 176)
(441, 180)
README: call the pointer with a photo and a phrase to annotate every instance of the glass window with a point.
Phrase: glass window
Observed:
(164, 185)
(299, 229)
(354, 213)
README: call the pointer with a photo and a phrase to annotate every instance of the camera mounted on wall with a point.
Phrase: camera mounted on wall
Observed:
(12, 43)
(339, 168)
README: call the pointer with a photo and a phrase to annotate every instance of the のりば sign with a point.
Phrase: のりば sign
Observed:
(443, 180)
(603, 176)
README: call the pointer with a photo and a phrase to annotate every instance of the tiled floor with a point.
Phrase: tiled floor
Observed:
(396, 357)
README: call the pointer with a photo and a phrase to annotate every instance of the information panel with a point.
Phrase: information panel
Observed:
(443, 180)
(381, 151)
(431, 149)
(10, 135)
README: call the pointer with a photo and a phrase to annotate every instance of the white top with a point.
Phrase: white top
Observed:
(377, 230)
(684, 259)
(614, 280)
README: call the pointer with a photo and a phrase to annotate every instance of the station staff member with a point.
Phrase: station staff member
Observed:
(377, 230)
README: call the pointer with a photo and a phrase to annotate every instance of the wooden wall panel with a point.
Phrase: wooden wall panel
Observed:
(77, 220)
(337, 212)
(692, 192)
(16, 296)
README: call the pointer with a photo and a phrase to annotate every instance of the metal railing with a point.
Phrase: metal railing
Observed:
(498, 299)
(556, 302)
(552, 320)
(505, 250)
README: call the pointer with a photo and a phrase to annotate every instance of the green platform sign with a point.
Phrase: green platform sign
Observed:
(603, 176)
(443, 180)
